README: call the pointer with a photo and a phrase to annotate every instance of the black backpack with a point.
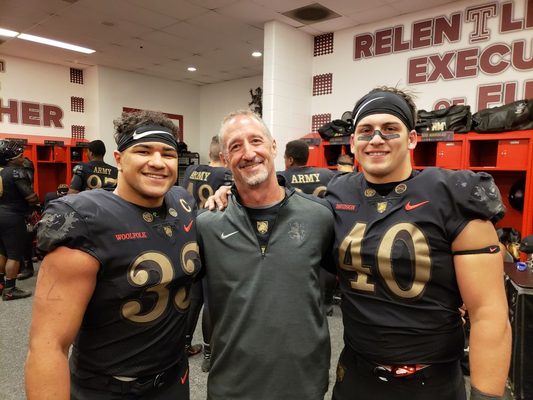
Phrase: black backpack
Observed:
(514, 116)
(457, 118)
(337, 127)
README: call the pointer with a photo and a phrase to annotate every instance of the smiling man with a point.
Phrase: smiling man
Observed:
(116, 279)
(263, 257)
(412, 246)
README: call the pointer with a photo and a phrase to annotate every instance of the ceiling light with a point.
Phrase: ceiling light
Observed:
(191, 69)
(257, 54)
(56, 43)
(8, 33)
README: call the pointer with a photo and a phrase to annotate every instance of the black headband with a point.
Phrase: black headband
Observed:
(384, 103)
(148, 133)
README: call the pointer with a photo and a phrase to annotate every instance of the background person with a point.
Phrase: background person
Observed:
(345, 163)
(411, 246)
(95, 174)
(16, 195)
(116, 279)
(310, 180)
(62, 190)
(262, 258)
(27, 269)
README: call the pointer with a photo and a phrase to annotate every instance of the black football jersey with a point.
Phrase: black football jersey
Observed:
(134, 324)
(203, 180)
(400, 295)
(94, 175)
(15, 186)
(309, 180)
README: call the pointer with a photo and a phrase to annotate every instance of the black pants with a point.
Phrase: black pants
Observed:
(172, 384)
(358, 380)
(12, 236)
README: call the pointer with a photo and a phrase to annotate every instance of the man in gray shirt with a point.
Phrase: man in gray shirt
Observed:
(263, 256)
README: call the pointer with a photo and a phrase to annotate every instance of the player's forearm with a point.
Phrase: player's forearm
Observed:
(490, 353)
(47, 375)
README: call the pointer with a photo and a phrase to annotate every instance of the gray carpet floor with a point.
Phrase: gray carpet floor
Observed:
(15, 318)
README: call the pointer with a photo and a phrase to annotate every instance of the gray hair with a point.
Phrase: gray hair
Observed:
(241, 113)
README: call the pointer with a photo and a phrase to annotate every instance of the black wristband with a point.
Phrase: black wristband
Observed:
(477, 395)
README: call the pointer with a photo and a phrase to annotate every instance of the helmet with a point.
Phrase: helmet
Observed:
(516, 194)
(9, 150)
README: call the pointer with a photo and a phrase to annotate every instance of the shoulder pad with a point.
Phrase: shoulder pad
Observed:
(20, 173)
(61, 225)
(78, 169)
(180, 196)
(477, 195)
(282, 179)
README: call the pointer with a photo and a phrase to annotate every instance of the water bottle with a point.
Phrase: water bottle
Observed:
(521, 266)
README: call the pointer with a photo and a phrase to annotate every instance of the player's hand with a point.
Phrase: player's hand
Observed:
(219, 199)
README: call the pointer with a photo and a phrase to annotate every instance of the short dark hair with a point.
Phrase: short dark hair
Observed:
(298, 150)
(407, 95)
(97, 147)
(126, 124)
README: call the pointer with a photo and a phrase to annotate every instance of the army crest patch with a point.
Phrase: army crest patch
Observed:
(262, 227)
(381, 207)
(168, 230)
(148, 217)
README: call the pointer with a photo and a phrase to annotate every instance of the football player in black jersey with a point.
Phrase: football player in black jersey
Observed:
(116, 278)
(201, 181)
(310, 180)
(16, 194)
(95, 174)
(26, 264)
(411, 247)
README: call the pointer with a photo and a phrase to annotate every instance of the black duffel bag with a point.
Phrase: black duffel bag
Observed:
(337, 127)
(457, 118)
(515, 116)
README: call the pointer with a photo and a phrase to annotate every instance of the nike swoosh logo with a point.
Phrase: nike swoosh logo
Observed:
(184, 379)
(223, 236)
(137, 136)
(493, 249)
(188, 227)
(409, 206)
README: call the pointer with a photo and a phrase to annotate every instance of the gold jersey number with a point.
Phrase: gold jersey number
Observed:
(350, 259)
(95, 182)
(138, 276)
(203, 192)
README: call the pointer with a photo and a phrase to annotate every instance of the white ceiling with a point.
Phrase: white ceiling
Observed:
(163, 37)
